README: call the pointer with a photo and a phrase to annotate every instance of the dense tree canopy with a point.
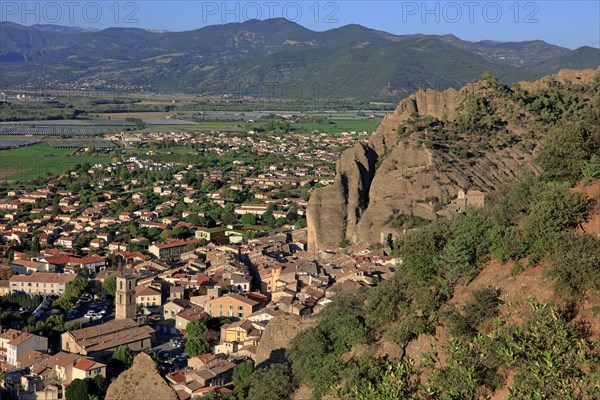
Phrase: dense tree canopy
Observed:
(77, 390)
(122, 359)
(197, 343)
(110, 285)
(271, 383)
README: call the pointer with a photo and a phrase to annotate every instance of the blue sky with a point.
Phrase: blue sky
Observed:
(566, 23)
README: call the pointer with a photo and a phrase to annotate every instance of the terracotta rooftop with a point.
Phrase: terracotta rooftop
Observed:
(146, 291)
(87, 365)
(61, 259)
(32, 358)
(27, 263)
(202, 278)
(91, 259)
(237, 297)
(177, 377)
(10, 334)
(45, 277)
(110, 334)
(62, 359)
(190, 315)
(244, 324)
(22, 338)
(218, 389)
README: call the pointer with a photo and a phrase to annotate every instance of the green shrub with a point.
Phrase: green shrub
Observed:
(591, 167)
(549, 357)
(554, 209)
(271, 383)
(408, 329)
(242, 379)
(314, 361)
(78, 390)
(516, 269)
(470, 371)
(482, 305)
(384, 303)
(343, 322)
(477, 115)
(575, 263)
(395, 381)
(122, 359)
(563, 153)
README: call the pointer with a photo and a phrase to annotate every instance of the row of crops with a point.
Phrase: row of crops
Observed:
(70, 122)
(54, 131)
(81, 144)
(14, 143)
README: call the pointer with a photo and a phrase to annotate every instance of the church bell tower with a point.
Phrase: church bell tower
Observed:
(125, 305)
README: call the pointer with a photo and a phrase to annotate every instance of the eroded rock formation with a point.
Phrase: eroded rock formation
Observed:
(141, 382)
(396, 172)
(277, 337)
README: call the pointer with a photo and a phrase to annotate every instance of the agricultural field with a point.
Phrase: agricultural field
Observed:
(39, 159)
(14, 143)
(221, 124)
(173, 121)
(137, 115)
(69, 123)
(177, 128)
(56, 131)
(151, 102)
(81, 144)
(340, 125)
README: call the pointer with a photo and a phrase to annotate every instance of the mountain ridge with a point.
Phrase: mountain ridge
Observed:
(351, 62)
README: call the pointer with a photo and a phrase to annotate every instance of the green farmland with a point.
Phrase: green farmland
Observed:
(38, 160)
(340, 125)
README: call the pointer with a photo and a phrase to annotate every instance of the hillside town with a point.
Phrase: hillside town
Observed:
(305, 201)
(185, 262)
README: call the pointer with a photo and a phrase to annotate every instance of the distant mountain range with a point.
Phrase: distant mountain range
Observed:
(273, 57)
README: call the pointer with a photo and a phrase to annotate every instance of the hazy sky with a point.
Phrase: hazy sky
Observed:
(567, 23)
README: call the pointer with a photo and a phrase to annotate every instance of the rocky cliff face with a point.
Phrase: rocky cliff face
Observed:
(356, 206)
(141, 382)
(277, 337)
(397, 172)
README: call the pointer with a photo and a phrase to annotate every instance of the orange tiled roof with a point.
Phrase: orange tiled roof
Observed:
(87, 364)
